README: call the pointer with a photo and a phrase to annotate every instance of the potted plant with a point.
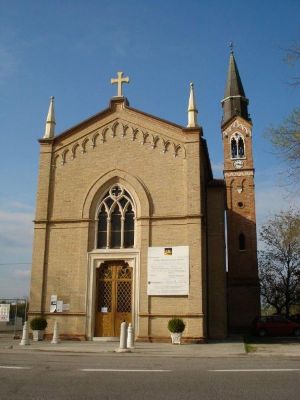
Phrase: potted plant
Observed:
(38, 326)
(176, 327)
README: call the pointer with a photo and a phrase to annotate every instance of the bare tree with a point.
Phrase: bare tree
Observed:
(292, 57)
(286, 137)
(279, 262)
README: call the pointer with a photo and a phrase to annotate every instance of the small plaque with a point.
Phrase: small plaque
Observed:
(59, 306)
(104, 309)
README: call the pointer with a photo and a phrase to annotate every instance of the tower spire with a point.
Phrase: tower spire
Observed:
(192, 109)
(50, 122)
(235, 101)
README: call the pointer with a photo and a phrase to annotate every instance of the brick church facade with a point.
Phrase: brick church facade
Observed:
(124, 199)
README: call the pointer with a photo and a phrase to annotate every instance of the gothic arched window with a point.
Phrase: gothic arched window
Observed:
(242, 242)
(233, 148)
(116, 219)
(237, 146)
(241, 148)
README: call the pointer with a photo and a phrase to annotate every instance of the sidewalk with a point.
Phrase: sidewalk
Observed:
(231, 347)
(228, 348)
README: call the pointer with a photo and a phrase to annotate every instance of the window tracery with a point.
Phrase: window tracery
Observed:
(237, 145)
(116, 219)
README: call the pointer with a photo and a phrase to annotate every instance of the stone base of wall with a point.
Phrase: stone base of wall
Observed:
(78, 338)
(167, 339)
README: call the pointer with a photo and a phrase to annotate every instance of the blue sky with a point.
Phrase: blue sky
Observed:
(71, 48)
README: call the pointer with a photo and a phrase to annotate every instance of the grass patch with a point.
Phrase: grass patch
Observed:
(249, 344)
(249, 348)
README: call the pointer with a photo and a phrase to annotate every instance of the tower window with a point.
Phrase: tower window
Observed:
(237, 146)
(233, 148)
(116, 219)
(241, 149)
(242, 242)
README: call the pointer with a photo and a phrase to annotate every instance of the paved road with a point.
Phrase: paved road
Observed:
(43, 376)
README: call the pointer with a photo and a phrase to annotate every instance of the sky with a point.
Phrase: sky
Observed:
(71, 48)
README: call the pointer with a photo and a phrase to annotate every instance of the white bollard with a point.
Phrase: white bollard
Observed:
(123, 339)
(25, 335)
(55, 339)
(123, 336)
(130, 337)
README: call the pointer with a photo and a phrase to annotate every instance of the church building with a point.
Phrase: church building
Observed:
(131, 225)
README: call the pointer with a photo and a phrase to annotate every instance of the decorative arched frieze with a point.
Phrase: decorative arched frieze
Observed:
(144, 137)
(74, 151)
(104, 134)
(237, 124)
(56, 160)
(135, 133)
(64, 156)
(178, 149)
(94, 139)
(122, 130)
(166, 145)
(84, 145)
(154, 141)
(114, 129)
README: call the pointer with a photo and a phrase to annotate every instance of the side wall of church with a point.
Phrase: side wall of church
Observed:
(217, 285)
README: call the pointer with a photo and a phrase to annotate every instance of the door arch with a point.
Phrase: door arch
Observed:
(113, 298)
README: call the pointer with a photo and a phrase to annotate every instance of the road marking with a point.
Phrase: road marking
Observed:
(256, 370)
(123, 370)
(12, 367)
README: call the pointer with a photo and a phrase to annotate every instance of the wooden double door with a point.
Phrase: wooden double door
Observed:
(113, 298)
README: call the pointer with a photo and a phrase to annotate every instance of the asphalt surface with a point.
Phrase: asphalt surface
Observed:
(50, 375)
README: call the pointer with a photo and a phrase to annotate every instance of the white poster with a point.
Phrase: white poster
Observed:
(59, 306)
(4, 312)
(53, 301)
(168, 271)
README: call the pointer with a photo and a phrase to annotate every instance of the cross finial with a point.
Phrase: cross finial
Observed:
(231, 47)
(119, 80)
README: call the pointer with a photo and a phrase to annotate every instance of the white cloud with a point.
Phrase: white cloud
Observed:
(8, 63)
(15, 229)
(21, 273)
(271, 196)
(217, 169)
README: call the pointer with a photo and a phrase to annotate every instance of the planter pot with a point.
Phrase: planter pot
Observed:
(176, 337)
(37, 335)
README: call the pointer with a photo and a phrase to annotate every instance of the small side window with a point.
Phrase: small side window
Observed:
(242, 242)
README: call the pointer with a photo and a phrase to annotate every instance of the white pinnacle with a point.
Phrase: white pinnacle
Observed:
(50, 122)
(192, 109)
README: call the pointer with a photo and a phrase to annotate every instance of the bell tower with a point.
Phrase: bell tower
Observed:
(236, 126)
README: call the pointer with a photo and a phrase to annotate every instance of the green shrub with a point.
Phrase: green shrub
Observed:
(38, 324)
(176, 325)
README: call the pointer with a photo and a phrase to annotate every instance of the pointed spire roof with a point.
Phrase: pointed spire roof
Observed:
(192, 109)
(235, 101)
(50, 122)
(234, 86)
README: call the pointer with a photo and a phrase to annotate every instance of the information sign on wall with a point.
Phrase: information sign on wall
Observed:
(168, 271)
(4, 312)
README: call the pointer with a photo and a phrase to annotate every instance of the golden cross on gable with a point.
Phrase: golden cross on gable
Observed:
(119, 80)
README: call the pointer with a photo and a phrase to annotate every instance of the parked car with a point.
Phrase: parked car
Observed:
(295, 318)
(275, 325)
